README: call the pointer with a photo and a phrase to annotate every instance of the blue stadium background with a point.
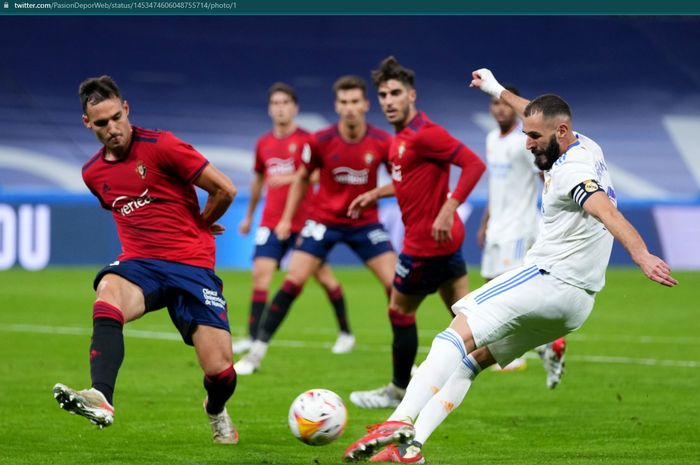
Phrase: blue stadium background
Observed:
(633, 82)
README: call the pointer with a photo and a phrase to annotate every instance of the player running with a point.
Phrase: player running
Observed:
(347, 155)
(277, 157)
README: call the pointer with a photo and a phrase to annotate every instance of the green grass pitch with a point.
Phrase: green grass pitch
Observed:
(631, 393)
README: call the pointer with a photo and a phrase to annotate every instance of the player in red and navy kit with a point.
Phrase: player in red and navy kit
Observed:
(147, 178)
(421, 155)
(347, 156)
(277, 157)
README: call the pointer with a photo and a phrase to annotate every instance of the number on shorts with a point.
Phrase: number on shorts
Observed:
(262, 235)
(314, 230)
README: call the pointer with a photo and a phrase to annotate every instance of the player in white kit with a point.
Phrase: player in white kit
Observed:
(509, 224)
(548, 297)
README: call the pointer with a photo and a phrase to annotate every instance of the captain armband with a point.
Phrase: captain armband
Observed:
(583, 191)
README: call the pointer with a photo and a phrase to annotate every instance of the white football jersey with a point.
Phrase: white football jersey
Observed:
(513, 184)
(572, 245)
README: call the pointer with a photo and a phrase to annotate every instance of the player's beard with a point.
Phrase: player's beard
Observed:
(545, 159)
(399, 119)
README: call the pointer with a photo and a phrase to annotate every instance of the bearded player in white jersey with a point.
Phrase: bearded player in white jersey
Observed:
(548, 297)
(509, 225)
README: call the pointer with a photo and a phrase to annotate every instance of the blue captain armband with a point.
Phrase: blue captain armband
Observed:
(583, 191)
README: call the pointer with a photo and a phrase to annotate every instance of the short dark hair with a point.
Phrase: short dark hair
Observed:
(284, 88)
(350, 82)
(512, 89)
(97, 89)
(549, 105)
(390, 68)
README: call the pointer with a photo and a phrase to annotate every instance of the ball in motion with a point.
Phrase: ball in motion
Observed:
(317, 417)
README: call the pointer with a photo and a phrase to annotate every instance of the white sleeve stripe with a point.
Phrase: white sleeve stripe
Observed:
(578, 194)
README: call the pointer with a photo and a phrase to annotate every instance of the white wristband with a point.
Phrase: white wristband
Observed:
(489, 84)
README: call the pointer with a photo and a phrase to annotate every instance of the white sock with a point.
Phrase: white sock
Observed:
(258, 350)
(445, 356)
(444, 402)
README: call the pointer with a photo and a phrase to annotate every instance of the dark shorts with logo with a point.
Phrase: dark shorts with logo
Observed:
(366, 241)
(424, 275)
(269, 246)
(192, 295)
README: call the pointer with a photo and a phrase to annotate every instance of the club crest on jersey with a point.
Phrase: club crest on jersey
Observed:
(402, 149)
(292, 147)
(369, 157)
(141, 169)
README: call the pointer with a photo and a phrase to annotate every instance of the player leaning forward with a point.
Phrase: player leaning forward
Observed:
(147, 178)
(548, 297)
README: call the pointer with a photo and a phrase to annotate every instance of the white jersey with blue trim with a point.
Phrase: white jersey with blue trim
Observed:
(572, 245)
(513, 184)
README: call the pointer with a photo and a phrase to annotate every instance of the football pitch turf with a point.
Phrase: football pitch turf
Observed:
(630, 395)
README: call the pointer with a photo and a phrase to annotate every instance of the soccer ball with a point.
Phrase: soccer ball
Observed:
(317, 417)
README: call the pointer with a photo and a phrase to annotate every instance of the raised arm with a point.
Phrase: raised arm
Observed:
(485, 80)
(652, 266)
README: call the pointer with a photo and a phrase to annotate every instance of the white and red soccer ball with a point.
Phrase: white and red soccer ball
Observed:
(317, 417)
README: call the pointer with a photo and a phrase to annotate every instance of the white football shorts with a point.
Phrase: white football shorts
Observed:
(522, 309)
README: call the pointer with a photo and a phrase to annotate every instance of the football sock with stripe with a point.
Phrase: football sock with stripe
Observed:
(445, 356)
(279, 307)
(338, 301)
(445, 401)
(220, 388)
(257, 307)
(404, 346)
(106, 347)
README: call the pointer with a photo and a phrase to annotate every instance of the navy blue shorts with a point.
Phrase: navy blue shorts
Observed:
(367, 241)
(424, 275)
(268, 245)
(193, 295)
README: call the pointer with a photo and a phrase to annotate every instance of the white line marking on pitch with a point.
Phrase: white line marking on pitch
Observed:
(167, 336)
(429, 333)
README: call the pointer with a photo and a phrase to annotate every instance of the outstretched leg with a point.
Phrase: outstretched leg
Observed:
(117, 301)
